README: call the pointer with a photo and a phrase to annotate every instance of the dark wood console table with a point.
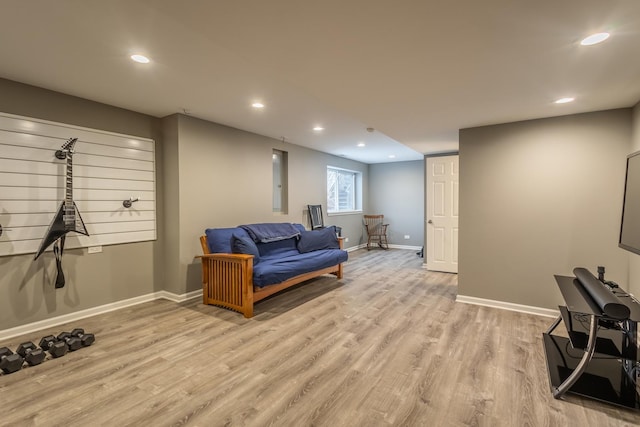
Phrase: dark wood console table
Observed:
(600, 358)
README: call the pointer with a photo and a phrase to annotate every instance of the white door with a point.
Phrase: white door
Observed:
(442, 214)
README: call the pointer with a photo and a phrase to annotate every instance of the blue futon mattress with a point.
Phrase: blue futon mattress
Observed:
(278, 269)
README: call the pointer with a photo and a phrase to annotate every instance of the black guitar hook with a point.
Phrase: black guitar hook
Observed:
(127, 203)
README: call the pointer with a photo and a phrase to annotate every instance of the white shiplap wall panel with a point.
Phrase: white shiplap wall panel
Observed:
(111, 162)
(33, 220)
(36, 233)
(136, 175)
(50, 206)
(12, 179)
(129, 215)
(117, 152)
(37, 127)
(15, 179)
(20, 166)
(13, 142)
(11, 138)
(107, 169)
(79, 194)
(113, 184)
(33, 154)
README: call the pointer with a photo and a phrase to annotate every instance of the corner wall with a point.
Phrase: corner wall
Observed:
(634, 259)
(538, 198)
(222, 177)
(398, 193)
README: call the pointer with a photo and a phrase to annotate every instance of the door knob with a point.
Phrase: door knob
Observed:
(429, 222)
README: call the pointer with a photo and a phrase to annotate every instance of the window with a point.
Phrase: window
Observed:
(344, 190)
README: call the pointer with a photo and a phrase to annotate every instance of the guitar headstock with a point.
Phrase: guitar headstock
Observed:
(67, 148)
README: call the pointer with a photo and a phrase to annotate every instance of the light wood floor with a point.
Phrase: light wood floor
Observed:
(387, 345)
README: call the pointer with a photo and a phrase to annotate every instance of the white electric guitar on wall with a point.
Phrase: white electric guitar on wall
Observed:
(67, 219)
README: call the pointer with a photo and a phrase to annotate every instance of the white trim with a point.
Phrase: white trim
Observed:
(355, 248)
(339, 213)
(413, 248)
(179, 298)
(94, 311)
(508, 306)
(364, 246)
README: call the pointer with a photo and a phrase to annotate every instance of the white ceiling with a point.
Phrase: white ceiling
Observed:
(416, 71)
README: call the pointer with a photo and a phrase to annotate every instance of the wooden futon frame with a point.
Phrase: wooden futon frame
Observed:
(227, 280)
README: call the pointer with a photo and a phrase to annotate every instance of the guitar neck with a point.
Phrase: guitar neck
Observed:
(69, 187)
(69, 210)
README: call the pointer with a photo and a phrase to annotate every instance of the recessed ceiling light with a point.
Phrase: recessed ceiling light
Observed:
(140, 58)
(318, 128)
(361, 144)
(564, 100)
(594, 39)
(392, 156)
(257, 105)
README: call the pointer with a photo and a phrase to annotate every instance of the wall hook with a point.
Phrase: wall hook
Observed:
(127, 203)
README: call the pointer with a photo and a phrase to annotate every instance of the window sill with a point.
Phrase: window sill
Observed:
(344, 213)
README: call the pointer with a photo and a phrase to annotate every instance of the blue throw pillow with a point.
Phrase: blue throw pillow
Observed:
(318, 239)
(244, 245)
(219, 239)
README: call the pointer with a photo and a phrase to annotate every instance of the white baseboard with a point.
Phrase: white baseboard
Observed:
(508, 306)
(179, 298)
(93, 311)
(391, 246)
(413, 248)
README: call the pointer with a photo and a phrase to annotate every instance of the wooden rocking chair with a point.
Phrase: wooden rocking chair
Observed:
(376, 231)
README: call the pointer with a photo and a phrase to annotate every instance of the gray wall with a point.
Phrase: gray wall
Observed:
(538, 198)
(397, 191)
(120, 271)
(634, 259)
(171, 278)
(225, 179)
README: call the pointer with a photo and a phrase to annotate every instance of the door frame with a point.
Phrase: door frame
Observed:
(426, 212)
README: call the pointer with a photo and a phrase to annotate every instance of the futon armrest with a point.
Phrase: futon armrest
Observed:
(222, 256)
(227, 280)
(225, 261)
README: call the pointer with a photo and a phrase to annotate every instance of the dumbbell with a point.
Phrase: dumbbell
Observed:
(9, 361)
(87, 339)
(30, 353)
(53, 346)
(74, 343)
